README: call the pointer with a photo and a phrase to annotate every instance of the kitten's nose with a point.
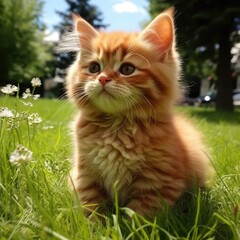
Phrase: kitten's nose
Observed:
(104, 80)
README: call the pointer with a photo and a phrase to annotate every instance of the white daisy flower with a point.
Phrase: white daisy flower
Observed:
(23, 115)
(21, 155)
(27, 94)
(36, 82)
(36, 96)
(9, 89)
(6, 113)
(34, 118)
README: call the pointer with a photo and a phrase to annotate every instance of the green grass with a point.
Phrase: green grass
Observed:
(35, 202)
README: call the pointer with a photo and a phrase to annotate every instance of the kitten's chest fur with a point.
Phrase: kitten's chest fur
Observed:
(114, 150)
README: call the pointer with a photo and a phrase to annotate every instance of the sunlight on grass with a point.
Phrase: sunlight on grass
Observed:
(37, 204)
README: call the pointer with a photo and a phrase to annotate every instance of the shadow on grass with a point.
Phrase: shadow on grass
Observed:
(211, 115)
(196, 212)
(195, 216)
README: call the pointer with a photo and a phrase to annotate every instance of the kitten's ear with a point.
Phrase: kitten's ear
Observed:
(85, 30)
(160, 32)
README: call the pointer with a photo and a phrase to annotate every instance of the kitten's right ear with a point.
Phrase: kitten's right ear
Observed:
(85, 30)
(160, 32)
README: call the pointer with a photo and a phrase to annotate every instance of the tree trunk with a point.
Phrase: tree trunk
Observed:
(224, 83)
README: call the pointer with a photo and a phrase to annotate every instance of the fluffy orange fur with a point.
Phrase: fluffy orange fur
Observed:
(125, 87)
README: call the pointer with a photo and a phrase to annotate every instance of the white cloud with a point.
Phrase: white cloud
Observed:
(51, 36)
(127, 7)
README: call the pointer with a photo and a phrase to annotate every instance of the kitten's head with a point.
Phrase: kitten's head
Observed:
(129, 74)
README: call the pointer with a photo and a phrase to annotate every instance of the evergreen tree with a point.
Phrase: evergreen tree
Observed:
(207, 30)
(87, 11)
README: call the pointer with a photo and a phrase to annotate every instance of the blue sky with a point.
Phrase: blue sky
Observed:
(124, 15)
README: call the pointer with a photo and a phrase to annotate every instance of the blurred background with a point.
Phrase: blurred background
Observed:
(208, 39)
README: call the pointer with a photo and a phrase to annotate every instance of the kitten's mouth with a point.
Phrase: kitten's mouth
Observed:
(104, 92)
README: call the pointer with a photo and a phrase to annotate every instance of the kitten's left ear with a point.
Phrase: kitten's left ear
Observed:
(85, 30)
(160, 32)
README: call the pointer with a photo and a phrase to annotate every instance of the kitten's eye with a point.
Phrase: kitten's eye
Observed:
(126, 68)
(94, 67)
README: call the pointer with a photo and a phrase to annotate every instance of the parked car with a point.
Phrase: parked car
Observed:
(236, 97)
(210, 98)
(206, 100)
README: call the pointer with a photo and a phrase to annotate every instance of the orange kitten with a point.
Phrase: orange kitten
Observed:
(125, 87)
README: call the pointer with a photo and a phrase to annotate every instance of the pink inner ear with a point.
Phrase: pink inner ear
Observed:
(166, 33)
(86, 32)
(160, 33)
(85, 28)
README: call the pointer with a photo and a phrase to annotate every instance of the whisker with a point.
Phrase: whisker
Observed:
(138, 106)
(124, 92)
(141, 56)
(144, 98)
(119, 127)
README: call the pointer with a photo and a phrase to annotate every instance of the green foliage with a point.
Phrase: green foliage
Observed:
(87, 11)
(205, 36)
(22, 49)
(199, 22)
(36, 202)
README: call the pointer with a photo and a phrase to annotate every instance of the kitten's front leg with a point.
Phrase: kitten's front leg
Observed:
(90, 193)
(145, 203)
(148, 196)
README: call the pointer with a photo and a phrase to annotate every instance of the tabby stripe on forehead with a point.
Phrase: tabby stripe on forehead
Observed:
(110, 54)
(123, 52)
(106, 56)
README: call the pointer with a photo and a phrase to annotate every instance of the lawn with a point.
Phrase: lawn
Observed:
(35, 202)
